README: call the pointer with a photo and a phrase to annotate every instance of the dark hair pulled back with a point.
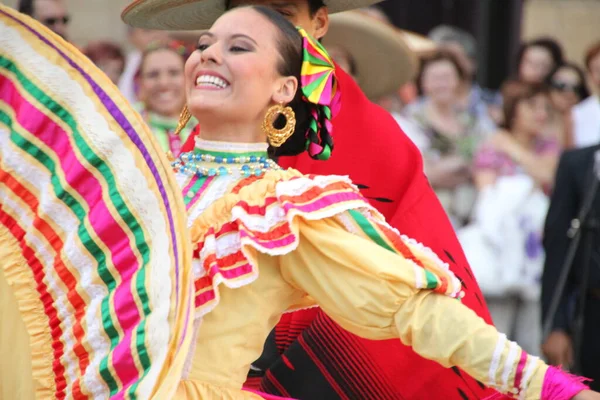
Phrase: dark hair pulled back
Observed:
(290, 64)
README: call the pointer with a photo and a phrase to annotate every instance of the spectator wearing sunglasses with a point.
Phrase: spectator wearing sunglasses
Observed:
(567, 89)
(52, 13)
(586, 115)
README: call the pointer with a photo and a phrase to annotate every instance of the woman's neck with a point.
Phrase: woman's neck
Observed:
(232, 133)
(442, 108)
(224, 148)
(174, 115)
(524, 138)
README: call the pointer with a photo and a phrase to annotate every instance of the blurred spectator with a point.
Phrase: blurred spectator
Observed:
(447, 134)
(513, 172)
(162, 93)
(586, 116)
(484, 103)
(537, 59)
(140, 39)
(108, 57)
(570, 191)
(521, 147)
(567, 89)
(52, 13)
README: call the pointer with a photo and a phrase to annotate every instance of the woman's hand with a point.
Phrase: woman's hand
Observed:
(504, 142)
(587, 395)
(558, 348)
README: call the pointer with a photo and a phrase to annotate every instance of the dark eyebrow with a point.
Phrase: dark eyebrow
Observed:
(206, 33)
(241, 35)
(234, 36)
(284, 4)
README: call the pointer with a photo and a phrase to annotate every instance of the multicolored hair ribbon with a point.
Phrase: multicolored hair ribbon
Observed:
(319, 88)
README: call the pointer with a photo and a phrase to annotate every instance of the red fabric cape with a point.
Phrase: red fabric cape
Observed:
(321, 360)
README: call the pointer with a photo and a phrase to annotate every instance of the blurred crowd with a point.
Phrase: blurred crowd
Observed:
(490, 155)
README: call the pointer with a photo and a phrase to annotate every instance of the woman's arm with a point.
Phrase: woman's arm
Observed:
(540, 167)
(375, 293)
(484, 178)
(447, 172)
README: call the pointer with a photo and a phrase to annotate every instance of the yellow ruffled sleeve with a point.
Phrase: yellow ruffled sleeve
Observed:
(348, 266)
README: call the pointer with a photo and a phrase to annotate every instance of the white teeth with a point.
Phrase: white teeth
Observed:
(211, 80)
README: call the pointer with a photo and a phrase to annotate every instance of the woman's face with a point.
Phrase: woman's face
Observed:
(441, 81)
(532, 114)
(233, 77)
(536, 65)
(566, 85)
(162, 83)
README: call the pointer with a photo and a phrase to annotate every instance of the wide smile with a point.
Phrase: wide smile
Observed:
(211, 82)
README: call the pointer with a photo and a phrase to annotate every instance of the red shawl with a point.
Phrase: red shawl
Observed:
(371, 148)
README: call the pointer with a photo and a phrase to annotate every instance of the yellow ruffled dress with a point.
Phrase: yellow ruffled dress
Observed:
(283, 241)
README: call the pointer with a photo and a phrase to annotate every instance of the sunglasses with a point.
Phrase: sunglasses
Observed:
(566, 87)
(56, 20)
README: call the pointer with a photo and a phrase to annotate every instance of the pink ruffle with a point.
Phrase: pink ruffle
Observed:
(560, 385)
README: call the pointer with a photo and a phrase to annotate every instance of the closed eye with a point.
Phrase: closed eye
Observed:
(285, 12)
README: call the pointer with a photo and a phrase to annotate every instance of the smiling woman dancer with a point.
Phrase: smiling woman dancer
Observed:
(268, 240)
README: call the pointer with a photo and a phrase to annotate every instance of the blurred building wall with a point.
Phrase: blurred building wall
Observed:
(575, 22)
(93, 20)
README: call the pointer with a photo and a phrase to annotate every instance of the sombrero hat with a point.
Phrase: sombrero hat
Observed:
(199, 14)
(421, 45)
(383, 59)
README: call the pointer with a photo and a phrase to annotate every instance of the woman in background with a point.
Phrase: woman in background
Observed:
(161, 93)
(537, 59)
(567, 89)
(521, 147)
(513, 173)
(447, 135)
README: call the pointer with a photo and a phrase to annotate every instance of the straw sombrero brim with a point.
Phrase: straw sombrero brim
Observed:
(383, 60)
(199, 14)
(421, 45)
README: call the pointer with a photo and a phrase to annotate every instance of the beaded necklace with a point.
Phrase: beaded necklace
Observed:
(221, 158)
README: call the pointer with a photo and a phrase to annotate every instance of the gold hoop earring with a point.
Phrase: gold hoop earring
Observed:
(184, 118)
(277, 137)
